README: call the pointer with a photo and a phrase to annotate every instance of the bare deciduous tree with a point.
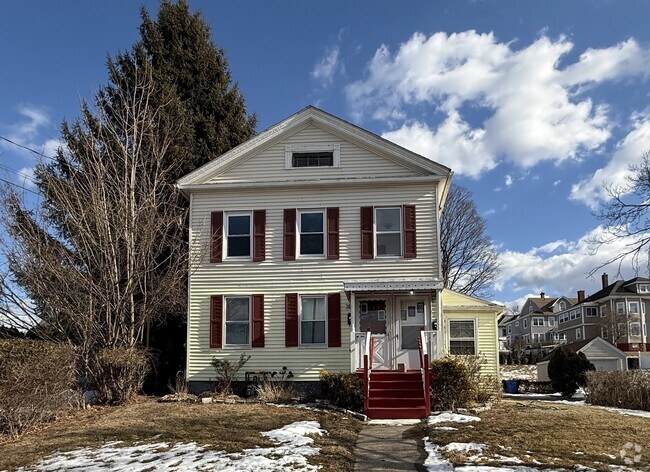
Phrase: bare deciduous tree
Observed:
(468, 257)
(100, 255)
(613, 326)
(625, 215)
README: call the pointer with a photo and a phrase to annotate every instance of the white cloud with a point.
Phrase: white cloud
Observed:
(559, 267)
(536, 110)
(628, 151)
(26, 177)
(508, 180)
(556, 183)
(329, 64)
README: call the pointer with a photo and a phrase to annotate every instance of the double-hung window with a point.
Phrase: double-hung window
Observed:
(311, 227)
(591, 311)
(237, 321)
(313, 320)
(388, 231)
(525, 324)
(644, 288)
(579, 333)
(551, 321)
(633, 308)
(538, 321)
(462, 337)
(635, 329)
(620, 308)
(238, 231)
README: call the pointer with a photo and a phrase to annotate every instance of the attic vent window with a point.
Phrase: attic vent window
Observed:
(312, 159)
(312, 155)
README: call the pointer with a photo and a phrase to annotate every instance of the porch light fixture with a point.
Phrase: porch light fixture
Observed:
(411, 292)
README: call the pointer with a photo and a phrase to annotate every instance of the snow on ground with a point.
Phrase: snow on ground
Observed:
(291, 453)
(464, 447)
(404, 422)
(452, 418)
(519, 372)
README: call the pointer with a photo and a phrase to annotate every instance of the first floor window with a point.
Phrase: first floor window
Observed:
(237, 321)
(238, 235)
(312, 320)
(462, 340)
(311, 226)
(388, 228)
(579, 333)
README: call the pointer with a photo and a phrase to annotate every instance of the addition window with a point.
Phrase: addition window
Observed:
(635, 329)
(462, 338)
(313, 320)
(538, 321)
(579, 333)
(388, 231)
(633, 308)
(591, 311)
(311, 228)
(238, 235)
(237, 321)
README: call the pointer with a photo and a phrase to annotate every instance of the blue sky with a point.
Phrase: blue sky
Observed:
(533, 104)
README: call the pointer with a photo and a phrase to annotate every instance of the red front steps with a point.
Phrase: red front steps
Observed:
(395, 395)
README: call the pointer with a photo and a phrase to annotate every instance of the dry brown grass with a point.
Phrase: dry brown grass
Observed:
(552, 434)
(224, 427)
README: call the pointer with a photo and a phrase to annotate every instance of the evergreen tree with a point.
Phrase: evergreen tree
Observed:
(568, 370)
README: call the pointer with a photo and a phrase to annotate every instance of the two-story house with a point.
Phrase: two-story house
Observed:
(535, 324)
(616, 313)
(315, 245)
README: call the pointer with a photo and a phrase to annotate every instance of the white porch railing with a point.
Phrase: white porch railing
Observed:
(358, 347)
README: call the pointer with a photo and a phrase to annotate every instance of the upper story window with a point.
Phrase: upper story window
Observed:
(311, 228)
(238, 229)
(635, 329)
(575, 314)
(538, 321)
(551, 321)
(516, 324)
(313, 320)
(620, 308)
(525, 324)
(530, 308)
(312, 155)
(237, 321)
(644, 288)
(579, 333)
(462, 337)
(564, 318)
(388, 231)
(562, 305)
(591, 311)
(633, 308)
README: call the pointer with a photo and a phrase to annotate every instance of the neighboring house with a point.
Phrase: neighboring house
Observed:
(535, 324)
(306, 238)
(471, 328)
(617, 313)
(603, 355)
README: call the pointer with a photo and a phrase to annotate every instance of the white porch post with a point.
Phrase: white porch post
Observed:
(439, 341)
(354, 346)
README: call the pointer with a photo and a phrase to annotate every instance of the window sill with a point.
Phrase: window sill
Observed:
(315, 346)
(235, 347)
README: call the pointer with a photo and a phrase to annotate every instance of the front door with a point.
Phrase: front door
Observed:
(372, 316)
(410, 314)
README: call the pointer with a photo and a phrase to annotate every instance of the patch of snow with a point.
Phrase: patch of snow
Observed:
(434, 461)
(464, 447)
(445, 428)
(452, 418)
(519, 372)
(403, 422)
(291, 452)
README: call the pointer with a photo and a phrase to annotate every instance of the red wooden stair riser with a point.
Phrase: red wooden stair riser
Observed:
(396, 395)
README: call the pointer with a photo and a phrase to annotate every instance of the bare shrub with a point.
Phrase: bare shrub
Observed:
(227, 372)
(119, 374)
(276, 388)
(621, 389)
(36, 382)
(342, 389)
(485, 387)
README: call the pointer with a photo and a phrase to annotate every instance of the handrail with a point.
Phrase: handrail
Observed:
(367, 368)
(423, 348)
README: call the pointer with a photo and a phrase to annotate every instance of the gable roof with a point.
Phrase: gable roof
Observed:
(619, 287)
(582, 345)
(316, 116)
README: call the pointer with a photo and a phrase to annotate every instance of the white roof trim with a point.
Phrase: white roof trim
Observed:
(381, 145)
(383, 285)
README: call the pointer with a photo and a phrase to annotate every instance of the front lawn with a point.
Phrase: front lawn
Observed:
(545, 434)
(219, 427)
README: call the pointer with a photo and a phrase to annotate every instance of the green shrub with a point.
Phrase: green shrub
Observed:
(119, 373)
(227, 372)
(36, 383)
(342, 389)
(451, 386)
(567, 370)
(621, 389)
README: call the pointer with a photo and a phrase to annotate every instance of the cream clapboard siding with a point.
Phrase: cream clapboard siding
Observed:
(356, 161)
(275, 277)
(458, 306)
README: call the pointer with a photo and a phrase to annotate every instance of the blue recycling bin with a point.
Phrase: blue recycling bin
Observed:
(512, 386)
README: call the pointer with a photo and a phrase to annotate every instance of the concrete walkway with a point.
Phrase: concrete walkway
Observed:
(382, 447)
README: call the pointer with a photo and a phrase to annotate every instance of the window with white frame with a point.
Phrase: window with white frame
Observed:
(591, 311)
(313, 320)
(530, 308)
(525, 324)
(388, 231)
(603, 310)
(562, 305)
(526, 338)
(238, 229)
(564, 318)
(575, 314)
(509, 329)
(604, 332)
(538, 321)
(644, 288)
(633, 308)
(579, 333)
(311, 228)
(620, 308)
(237, 321)
(516, 324)
(635, 328)
(462, 337)
(645, 329)
(538, 337)
(312, 155)
(551, 321)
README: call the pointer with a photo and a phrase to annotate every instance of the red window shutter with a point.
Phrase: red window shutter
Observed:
(367, 240)
(216, 236)
(291, 319)
(259, 235)
(258, 321)
(216, 318)
(332, 233)
(334, 320)
(289, 234)
(410, 244)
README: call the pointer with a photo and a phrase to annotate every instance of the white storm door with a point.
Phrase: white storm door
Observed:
(411, 315)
